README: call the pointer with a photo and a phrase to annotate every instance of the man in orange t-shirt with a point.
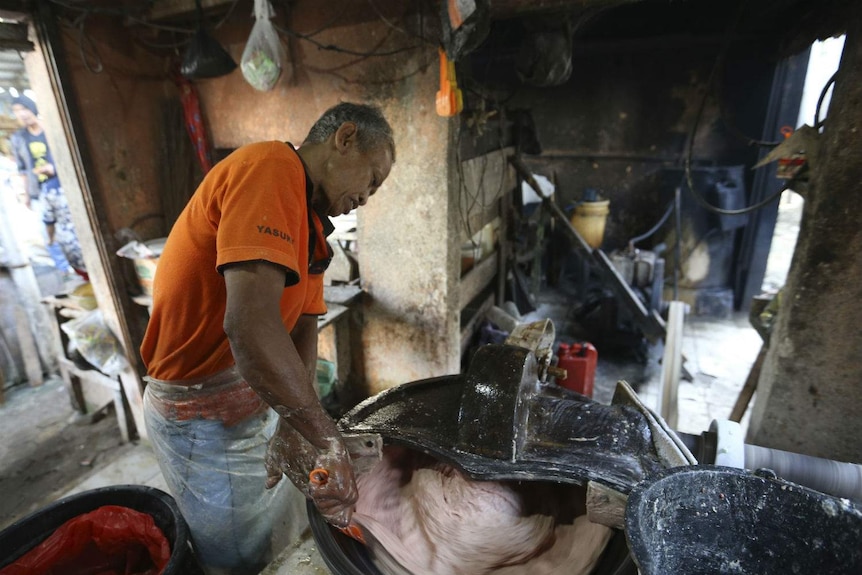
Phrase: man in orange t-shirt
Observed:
(231, 347)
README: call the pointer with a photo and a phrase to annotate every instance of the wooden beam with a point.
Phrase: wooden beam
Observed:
(747, 391)
(163, 9)
(476, 280)
(649, 321)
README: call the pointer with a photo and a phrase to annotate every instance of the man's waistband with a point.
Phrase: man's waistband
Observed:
(224, 396)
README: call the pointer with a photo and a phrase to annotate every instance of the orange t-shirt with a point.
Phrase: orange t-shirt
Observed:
(251, 206)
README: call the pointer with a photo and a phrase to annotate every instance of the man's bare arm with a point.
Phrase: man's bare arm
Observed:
(281, 368)
(266, 354)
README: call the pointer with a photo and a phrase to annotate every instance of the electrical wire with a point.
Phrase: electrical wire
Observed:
(690, 146)
(97, 67)
(655, 228)
(227, 14)
(398, 28)
(476, 199)
(334, 48)
(339, 14)
(818, 123)
(722, 112)
(308, 37)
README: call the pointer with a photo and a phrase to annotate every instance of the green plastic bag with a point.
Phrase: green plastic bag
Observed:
(263, 57)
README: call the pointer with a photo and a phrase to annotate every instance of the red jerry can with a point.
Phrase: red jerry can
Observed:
(579, 360)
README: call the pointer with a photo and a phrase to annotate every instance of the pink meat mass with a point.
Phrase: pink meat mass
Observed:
(434, 520)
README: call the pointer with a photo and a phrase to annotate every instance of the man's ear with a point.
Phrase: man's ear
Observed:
(345, 136)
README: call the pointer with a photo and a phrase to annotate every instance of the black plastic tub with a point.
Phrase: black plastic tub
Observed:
(25, 534)
(706, 519)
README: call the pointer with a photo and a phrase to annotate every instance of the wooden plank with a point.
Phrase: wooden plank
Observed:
(504, 247)
(48, 71)
(671, 365)
(619, 284)
(342, 294)
(747, 391)
(606, 506)
(32, 365)
(333, 312)
(163, 9)
(649, 321)
(98, 391)
(477, 279)
(578, 241)
(651, 324)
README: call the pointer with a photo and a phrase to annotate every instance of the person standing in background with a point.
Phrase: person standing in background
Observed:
(44, 192)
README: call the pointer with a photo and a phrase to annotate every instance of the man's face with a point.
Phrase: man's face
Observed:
(352, 176)
(23, 114)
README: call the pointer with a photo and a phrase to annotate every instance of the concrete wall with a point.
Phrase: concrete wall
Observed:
(809, 395)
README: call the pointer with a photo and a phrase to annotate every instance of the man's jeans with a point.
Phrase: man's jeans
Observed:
(216, 474)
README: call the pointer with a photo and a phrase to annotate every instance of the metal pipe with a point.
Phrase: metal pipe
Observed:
(825, 475)
(834, 477)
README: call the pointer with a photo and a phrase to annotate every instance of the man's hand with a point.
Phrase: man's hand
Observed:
(290, 453)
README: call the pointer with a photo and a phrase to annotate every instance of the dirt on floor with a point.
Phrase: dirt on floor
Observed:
(46, 448)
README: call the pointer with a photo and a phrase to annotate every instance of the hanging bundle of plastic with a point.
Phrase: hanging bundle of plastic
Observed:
(205, 57)
(263, 57)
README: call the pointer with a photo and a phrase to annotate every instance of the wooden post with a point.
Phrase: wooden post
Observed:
(747, 391)
(671, 364)
(32, 323)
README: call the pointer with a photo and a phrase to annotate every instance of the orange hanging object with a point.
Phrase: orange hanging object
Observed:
(450, 101)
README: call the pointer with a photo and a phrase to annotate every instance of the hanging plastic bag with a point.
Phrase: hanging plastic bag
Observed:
(205, 57)
(96, 343)
(263, 57)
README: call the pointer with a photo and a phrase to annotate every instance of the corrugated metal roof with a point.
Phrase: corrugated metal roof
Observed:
(12, 72)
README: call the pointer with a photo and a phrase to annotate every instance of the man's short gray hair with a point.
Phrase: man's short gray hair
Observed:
(372, 128)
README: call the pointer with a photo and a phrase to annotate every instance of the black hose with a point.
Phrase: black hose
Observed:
(818, 123)
(655, 228)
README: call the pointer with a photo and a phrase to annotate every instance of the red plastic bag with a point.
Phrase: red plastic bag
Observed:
(110, 540)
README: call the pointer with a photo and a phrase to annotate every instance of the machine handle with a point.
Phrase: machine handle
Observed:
(318, 477)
